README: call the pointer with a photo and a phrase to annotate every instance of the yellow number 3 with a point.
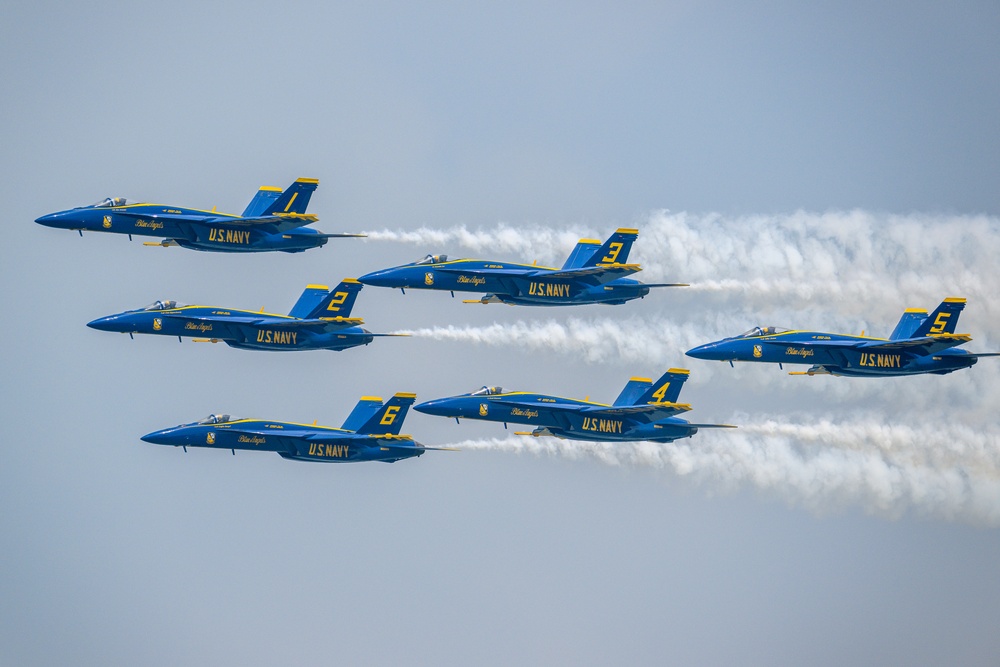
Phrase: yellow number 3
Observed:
(612, 255)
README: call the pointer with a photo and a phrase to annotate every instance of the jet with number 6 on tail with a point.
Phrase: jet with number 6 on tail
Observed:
(919, 344)
(319, 320)
(643, 411)
(593, 273)
(370, 433)
(275, 220)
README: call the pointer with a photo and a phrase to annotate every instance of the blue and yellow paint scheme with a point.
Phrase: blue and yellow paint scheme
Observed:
(319, 320)
(645, 410)
(919, 344)
(593, 273)
(275, 220)
(370, 433)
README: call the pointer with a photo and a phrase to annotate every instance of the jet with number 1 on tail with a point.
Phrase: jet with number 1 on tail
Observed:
(319, 320)
(645, 410)
(370, 433)
(919, 344)
(275, 220)
(594, 273)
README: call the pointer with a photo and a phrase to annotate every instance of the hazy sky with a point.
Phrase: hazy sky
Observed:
(810, 166)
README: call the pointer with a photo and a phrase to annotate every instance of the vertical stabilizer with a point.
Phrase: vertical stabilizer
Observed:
(308, 302)
(667, 389)
(362, 412)
(635, 388)
(293, 200)
(266, 196)
(943, 320)
(908, 323)
(389, 418)
(339, 301)
(616, 249)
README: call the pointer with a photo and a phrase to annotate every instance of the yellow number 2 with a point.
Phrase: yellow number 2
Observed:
(337, 301)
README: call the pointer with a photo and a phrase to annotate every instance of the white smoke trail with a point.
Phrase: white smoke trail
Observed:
(945, 471)
(863, 263)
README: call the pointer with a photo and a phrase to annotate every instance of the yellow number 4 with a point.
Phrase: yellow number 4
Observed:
(661, 394)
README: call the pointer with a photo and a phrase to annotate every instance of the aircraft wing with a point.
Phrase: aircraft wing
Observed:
(602, 273)
(924, 344)
(648, 412)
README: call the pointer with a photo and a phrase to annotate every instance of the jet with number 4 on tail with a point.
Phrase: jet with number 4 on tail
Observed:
(594, 273)
(920, 343)
(645, 410)
(275, 220)
(319, 320)
(371, 433)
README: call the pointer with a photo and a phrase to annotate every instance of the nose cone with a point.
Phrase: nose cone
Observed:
(394, 277)
(710, 352)
(441, 407)
(109, 323)
(53, 219)
(175, 436)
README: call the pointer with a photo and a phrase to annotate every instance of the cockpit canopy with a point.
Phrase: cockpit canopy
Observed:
(432, 259)
(111, 202)
(762, 331)
(488, 391)
(162, 305)
(218, 419)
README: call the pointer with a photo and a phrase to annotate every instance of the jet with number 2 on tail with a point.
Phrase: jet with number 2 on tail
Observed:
(643, 411)
(920, 343)
(593, 273)
(275, 220)
(319, 320)
(371, 433)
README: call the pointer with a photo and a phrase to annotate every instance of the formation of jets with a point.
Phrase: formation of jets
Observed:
(594, 273)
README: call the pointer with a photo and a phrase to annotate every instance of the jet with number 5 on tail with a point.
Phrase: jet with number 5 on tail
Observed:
(645, 410)
(920, 343)
(319, 320)
(275, 220)
(371, 433)
(593, 273)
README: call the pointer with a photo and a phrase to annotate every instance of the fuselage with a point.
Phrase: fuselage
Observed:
(272, 333)
(812, 347)
(508, 282)
(143, 219)
(302, 442)
(561, 417)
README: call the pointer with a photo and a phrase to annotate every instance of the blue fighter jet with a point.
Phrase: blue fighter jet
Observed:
(371, 433)
(920, 343)
(643, 411)
(274, 220)
(593, 273)
(319, 320)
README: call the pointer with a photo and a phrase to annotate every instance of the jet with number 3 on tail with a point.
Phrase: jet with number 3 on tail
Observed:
(371, 433)
(275, 220)
(319, 320)
(919, 344)
(594, 273)
(645, 410)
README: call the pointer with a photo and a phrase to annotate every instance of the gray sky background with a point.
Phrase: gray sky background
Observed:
(823, 166)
